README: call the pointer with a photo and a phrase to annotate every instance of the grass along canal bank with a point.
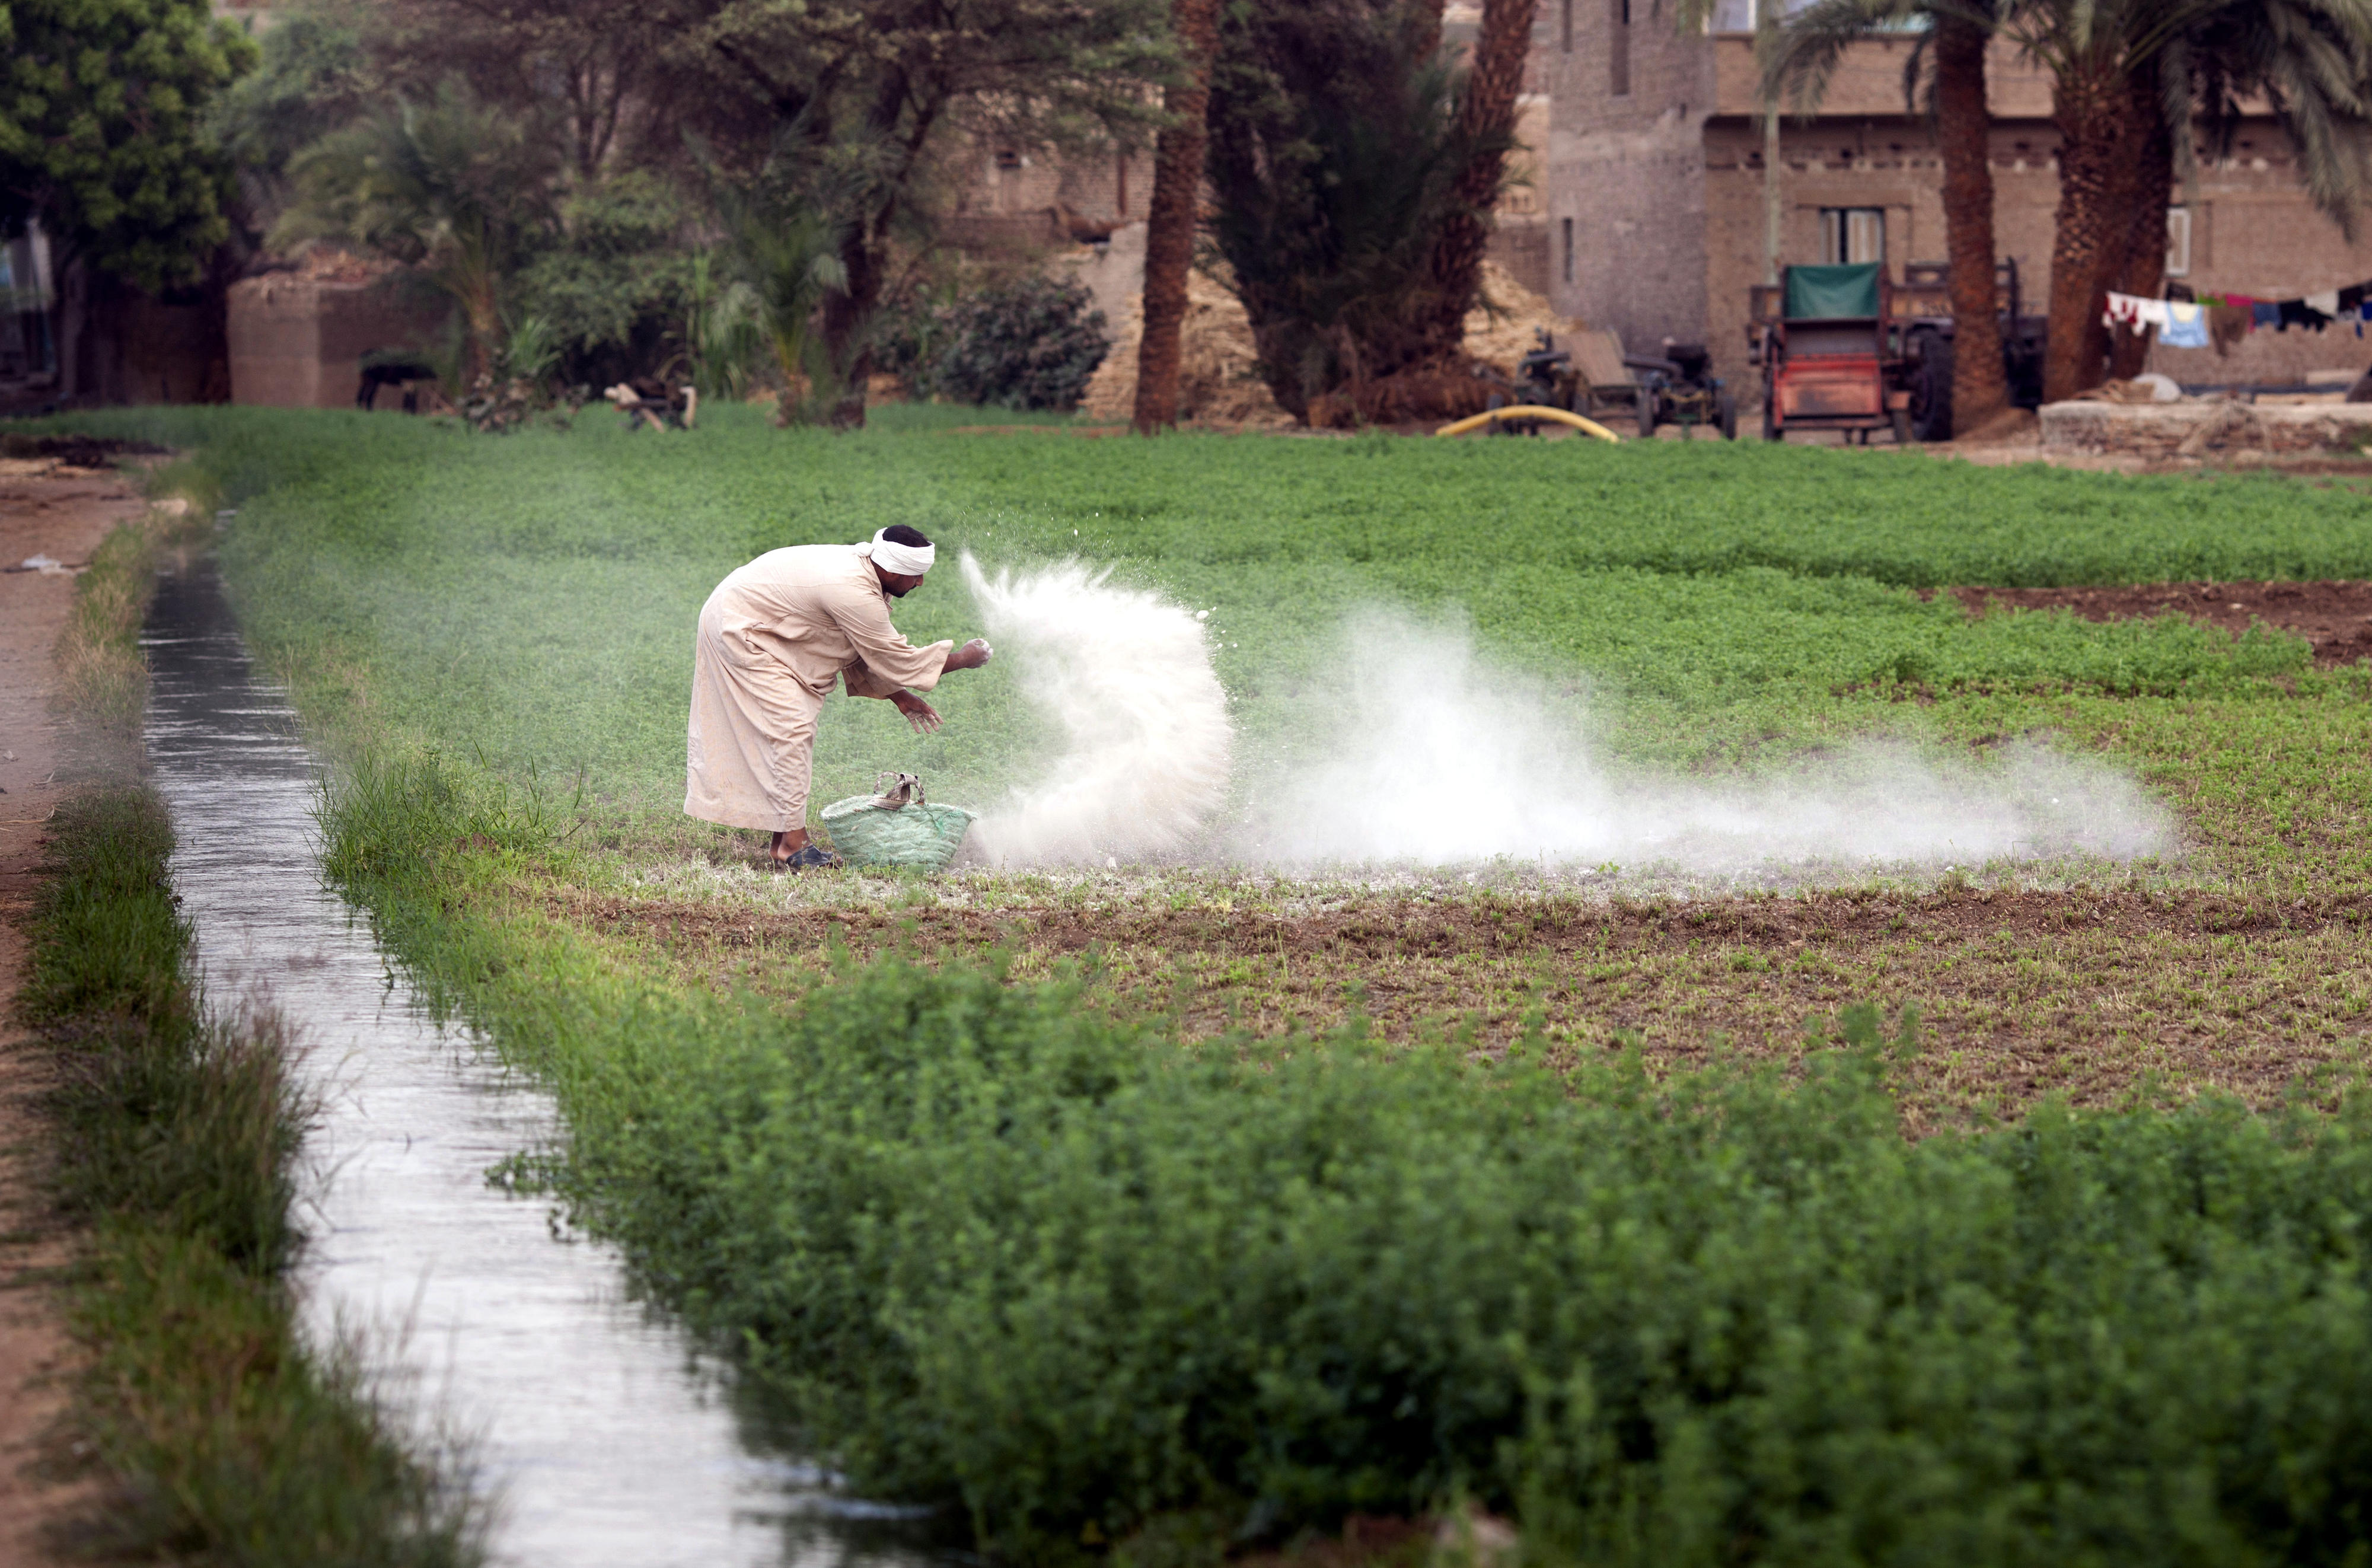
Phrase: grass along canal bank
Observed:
(1099, 1207)
(196, 1424)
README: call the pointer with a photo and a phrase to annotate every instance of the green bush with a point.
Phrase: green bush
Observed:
(1031, 344)
(1006, 1254)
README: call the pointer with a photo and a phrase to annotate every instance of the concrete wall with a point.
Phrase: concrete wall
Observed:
(298, 342)
(1626, 171)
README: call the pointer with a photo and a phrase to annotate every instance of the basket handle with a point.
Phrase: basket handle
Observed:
(907, 791)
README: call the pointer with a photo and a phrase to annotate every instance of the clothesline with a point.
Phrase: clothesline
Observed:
(2224, 319)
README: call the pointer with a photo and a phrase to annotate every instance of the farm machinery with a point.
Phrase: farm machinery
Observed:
(1844, 348)
(1594, 378)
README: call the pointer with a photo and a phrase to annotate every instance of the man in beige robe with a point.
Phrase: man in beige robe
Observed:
(773, 637)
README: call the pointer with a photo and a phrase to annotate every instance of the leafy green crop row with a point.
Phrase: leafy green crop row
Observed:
(1085, 1284)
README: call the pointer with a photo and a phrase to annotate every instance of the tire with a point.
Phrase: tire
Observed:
(1726, 408)
(1930, 390)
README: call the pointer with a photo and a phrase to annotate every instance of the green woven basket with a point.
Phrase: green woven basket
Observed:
(919, 836)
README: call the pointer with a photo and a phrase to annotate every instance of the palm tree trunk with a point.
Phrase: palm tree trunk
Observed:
(847, 312)
(1170, 223)
(2142, 268)
(1486, 115)
(1980, 385)
(2088, 102)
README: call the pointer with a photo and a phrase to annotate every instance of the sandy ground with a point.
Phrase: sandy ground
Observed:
(63, 515)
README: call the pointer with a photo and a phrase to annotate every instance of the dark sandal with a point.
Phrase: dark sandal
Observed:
(809, 858)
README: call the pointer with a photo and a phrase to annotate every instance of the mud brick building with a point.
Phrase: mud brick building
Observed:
(1651, 190)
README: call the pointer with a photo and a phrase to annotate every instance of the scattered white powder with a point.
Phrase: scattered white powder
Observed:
(1440, 761)
(1128, 675)
(1433, 759)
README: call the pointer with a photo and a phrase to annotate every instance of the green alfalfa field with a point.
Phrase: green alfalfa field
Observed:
(521, 608)
(2009, 1214)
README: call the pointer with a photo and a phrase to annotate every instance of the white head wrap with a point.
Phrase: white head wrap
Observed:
(906, 560)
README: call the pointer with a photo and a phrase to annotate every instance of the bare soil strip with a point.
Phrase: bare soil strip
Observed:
(2090, 995)
(51, 510)
(2335, 616)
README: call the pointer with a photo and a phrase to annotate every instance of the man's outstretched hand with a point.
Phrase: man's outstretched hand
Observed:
(971, 656)
(921, 715)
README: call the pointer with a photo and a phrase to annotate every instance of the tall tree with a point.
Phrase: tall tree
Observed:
(1964, 134)
(101, 131)
(2122, 71)
(591, 66)
(1486, 124)
(873, 89)
(1951, 61)
(2137, 223)
(1176, 213)
(1336, 161)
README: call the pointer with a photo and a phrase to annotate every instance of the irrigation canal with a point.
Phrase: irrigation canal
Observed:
(592, 1421)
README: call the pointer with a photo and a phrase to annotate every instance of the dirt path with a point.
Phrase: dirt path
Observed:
(63, 514)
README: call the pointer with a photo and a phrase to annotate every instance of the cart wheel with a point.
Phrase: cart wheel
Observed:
(1902, 427)
(1728, 412)
(1930, 390)
(1645, 417)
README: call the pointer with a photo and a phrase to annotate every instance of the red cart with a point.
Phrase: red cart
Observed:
(1831, 352)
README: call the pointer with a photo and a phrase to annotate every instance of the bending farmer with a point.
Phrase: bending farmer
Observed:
(773, 638)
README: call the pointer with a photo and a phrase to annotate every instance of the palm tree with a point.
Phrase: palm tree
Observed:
(1952, 59)
(2311, 63)
(1170, 225)
(1487, 122)
(455, 188)
(2126, 72)
(789, 252)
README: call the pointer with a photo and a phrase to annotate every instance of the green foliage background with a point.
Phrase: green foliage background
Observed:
(102, 134)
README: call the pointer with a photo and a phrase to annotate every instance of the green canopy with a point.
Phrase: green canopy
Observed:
(1817, 294)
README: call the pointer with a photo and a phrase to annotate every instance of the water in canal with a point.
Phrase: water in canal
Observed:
(604, 1438)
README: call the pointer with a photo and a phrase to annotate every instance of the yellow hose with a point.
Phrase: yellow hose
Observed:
(1529, 410)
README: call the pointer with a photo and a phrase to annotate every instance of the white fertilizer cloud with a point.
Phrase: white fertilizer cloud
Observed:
(1433, 759)
(1128, 675)
(1440, 761)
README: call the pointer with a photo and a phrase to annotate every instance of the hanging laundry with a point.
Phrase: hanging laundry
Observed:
(2324, 304)
(2350, 298)
(2227, 325)
(2133, 311)
(2298, 313)
(2186, 326)
(2264, 313)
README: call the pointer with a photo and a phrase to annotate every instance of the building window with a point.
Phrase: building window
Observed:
(1618, 55)
(1008, 159)
(1567, 235)
(1565, 27)
(2178, 242)
(1853, 235)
